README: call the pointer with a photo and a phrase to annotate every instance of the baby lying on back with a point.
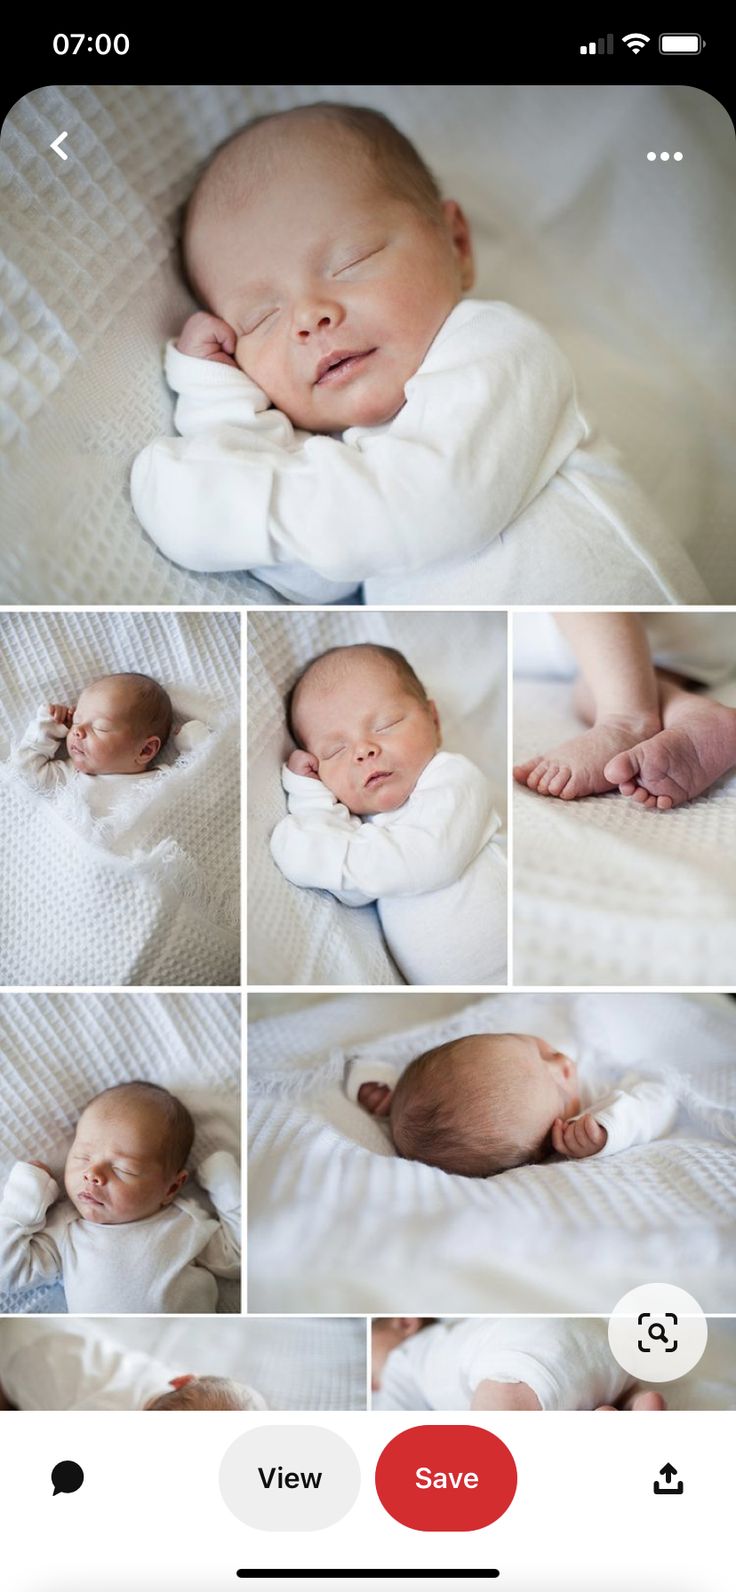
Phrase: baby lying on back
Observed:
(124, 1239)
(116, 731)
(487, 1102)
(377, 812)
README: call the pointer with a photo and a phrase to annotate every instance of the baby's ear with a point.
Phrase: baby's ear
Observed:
(150, 748)
(436, 721)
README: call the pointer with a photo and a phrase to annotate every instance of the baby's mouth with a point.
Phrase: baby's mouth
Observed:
(89, 1199)
(377, 779)
(340, 366)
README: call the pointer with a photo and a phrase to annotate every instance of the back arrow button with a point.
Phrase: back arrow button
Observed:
(56, 146)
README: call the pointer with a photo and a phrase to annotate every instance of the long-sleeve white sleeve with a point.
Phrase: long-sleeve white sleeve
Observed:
(489, 418)
(28, 1255)
(636, 1114)
(368, 1069)
(424, 845)
(34, 757)
(219, 1174)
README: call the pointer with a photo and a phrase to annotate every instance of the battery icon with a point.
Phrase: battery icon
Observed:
(680, 43)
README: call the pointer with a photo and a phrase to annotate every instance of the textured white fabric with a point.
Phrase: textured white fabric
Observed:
(36, 761)
(163, 1264)
(300, 937)
(566, 1361)
(609, 251)
(296, 1364)
(148, 894)
(439, 882)
(60, 1050)
(607, 894)
(636, 1113)
(336, 1218)
(489, 440)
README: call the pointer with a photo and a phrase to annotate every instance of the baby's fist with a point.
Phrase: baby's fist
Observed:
(207, 337)
(303, 763)
(60, 714)
(375, 1098)
(581, 1137)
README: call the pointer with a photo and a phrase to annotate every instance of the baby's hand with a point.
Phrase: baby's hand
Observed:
(576, 1139)
(304, 763)
(60, 714)
(207, 337)
(376, 1098)
(42, 1166)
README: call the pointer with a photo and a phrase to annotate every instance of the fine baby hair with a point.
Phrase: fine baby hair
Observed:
(150, 703)
(177, 1126)
(334, 662)
(457, 1107)
(204, 1393)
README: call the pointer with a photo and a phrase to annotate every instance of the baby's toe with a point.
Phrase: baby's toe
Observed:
(523, 770)
(537, 774)
(642, 796)
(559, 781)
(664, 803)
(550, 772)
(622, 768)
(629, 788)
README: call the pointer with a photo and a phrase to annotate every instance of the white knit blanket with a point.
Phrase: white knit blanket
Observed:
(302, 1363)
(150, 894)
(60, 1050)
(306, 936)
(570, 223)
(607, 894)
(338, 1221)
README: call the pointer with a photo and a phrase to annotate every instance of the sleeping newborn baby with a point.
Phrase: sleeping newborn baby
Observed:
(114, 734)
(487, 1102)
(48, 1364)
(124, 1240)
(378, 813)
(342, 405)
(500, 1363)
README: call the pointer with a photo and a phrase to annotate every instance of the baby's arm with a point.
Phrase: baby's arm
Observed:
(219, 1174)
(487, 421)
(321, 845)
(34, 757)
(504, 1396)
(27, 1254)
(370, 1082)
(635, 1115)
(190, 734)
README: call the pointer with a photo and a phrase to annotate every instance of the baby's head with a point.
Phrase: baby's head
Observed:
(205, 1393)
(120, 724)
(319, 235)
(387, 1332)
(129, 1154)
(482, 1104)
(366, 718)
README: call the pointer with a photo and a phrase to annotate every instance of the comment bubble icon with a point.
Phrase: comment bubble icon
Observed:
(67, 1476)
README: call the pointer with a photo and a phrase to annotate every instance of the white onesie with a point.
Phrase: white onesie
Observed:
(164, 1264)
(566, 1361)
(635, 1113)
(487, 486)
(72, 1365)
(36, 762)
(434, 866)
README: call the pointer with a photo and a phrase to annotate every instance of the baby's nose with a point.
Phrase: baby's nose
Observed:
(316, 315)
(94, 1174)
(365, 749)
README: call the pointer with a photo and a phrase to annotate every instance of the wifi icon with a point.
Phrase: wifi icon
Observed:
(635, 41)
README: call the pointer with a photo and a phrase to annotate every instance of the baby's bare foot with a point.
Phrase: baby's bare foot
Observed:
(577, 767)
(689, 755)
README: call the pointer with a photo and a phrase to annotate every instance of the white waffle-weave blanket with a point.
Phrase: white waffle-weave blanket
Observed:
(149, 895)
(607, 894)
(570, 223)
(59, 1050)
(339, 1222)
(306, 936)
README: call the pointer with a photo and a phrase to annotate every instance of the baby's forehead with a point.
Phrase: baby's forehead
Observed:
(330, 679)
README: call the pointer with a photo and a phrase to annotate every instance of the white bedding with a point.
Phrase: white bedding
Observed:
(151, 895)
(339, 1222)
(607, 894)
(59, 1050)
(571, 223)
(306, 1363)
(306, 936)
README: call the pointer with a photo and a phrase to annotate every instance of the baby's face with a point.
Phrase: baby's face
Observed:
(105, 736)
(334, 287)
(114, 1171)
(372, 738)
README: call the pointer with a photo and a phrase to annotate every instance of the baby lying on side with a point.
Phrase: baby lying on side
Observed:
(124, 1240)
(61, 1365)
(378, 813)
(339, 403)
(500, 1363)
(488, 1102)
(116, 731)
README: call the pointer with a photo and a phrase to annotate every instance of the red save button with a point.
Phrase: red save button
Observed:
(446, 1478)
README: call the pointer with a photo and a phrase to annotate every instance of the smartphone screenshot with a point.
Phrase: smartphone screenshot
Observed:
(368, 816)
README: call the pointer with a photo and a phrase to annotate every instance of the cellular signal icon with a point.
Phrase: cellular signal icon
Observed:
(603, 47)
(635, 41)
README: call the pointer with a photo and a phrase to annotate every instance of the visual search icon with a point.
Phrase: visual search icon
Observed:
(657, 1331)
